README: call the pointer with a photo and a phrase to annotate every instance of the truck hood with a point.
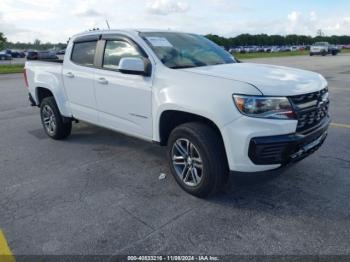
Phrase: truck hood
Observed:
(270, 80)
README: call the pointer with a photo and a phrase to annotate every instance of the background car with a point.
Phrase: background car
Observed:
(32, 55)
(15, 54)
(47, 55)
(61, 52)
(294, 48)
(18, 54)
(323, 48)
(41, 55)
(5, 56)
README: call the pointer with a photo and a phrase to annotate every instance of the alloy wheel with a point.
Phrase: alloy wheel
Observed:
(187, 162)
(49, 119)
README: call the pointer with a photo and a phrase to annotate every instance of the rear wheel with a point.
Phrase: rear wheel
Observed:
(197, 159)
(55, 125)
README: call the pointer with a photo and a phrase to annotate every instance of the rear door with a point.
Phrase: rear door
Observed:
(124, 101)
(78, 77)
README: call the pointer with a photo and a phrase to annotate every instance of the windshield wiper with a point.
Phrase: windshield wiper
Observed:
(181, 67)
(224, 63)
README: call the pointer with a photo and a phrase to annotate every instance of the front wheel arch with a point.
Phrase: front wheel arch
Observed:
(170, 119)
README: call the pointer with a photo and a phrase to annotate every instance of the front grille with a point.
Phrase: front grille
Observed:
(311, 109)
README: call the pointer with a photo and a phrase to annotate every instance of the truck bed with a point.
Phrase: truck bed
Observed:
(44, 73)
(59, 61)
(35, 68)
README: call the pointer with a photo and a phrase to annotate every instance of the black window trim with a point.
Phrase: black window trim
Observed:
(101, 40)
(87, 38)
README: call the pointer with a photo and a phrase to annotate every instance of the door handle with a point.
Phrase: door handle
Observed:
(102, 81)
(70, 75)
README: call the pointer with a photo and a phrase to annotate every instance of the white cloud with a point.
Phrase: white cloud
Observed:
(165, 7)
(10, 29)
(28, 15)
(294, 16)
(87, 13)
(57, 20)
(226, 5)
(313, 16)
(309, 24)
(39, 3)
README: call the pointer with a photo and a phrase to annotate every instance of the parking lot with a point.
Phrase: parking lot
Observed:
(20, 61)
(99, 192)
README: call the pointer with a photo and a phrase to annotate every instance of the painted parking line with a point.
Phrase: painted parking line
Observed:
(5, 252)
(340, 125)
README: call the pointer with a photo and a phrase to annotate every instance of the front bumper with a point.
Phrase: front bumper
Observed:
(286, 149)
(319, 52)
(240, 134)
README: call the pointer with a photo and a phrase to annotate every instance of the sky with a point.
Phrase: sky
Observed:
(57, 20)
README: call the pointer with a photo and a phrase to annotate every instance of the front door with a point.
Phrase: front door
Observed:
(124, 101)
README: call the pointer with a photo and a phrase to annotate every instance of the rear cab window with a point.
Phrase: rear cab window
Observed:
(83, 53)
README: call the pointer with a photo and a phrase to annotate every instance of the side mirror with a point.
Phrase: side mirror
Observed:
(134, 66)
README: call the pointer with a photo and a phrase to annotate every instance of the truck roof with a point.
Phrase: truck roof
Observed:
(129, 31)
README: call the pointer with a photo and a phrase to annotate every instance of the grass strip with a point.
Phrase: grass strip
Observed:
(11, 69)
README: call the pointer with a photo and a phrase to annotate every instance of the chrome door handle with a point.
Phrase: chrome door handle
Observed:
(69, 74)
(102, 81)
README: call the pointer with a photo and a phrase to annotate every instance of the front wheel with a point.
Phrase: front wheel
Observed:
(55, 125)
(197, 159)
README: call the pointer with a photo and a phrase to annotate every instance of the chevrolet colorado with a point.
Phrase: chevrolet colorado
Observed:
(213, 113)
(323, 48)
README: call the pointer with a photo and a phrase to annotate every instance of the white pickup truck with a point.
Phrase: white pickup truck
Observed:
(323, 48)
(214, 114)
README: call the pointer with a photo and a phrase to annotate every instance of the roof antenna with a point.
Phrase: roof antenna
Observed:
(108, 25)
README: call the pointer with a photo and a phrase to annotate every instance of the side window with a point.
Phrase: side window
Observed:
(115, 50)
(84, 53)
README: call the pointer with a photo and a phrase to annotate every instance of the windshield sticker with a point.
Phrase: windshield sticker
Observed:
(159, 41)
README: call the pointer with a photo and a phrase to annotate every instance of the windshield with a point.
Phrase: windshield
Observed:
(320, 44)
(180, 50)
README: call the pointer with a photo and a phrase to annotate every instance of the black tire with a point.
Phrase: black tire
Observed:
(63, 126)
(208, 143)
(311, 54)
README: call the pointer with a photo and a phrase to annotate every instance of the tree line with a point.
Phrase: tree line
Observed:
(271, 40)
(2, 40)
(36, 45)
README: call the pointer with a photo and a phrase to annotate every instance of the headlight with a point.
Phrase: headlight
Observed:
(264, 107)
